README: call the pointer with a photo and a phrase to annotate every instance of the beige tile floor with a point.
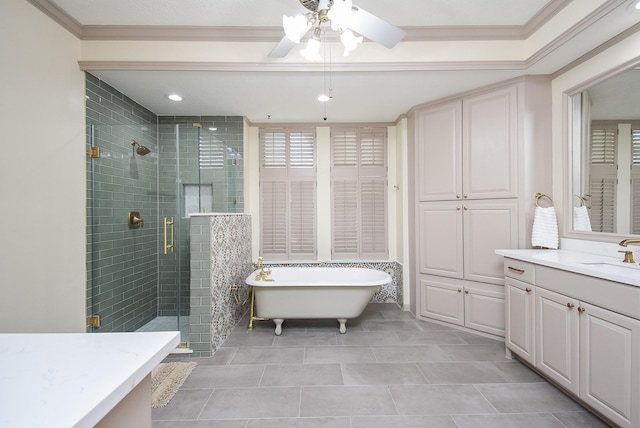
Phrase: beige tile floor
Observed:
(388, 370)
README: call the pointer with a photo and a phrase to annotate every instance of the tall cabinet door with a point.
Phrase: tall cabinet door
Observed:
(489, 137)
(439, 146)
(442, 299)
(609, 362)
(440, 239)
(557, 352)
(488, 225)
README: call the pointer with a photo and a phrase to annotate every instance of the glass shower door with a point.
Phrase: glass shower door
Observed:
(176, 154)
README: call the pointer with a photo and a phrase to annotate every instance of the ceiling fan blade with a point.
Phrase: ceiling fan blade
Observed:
(374, 28)
(283, 48)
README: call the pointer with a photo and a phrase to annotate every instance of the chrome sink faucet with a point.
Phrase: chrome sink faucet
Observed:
(628, 255)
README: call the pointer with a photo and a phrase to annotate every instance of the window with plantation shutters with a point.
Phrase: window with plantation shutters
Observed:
(287, 194)
(358, 193)
(603, 177)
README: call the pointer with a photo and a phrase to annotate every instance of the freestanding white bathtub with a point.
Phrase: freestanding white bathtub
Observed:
(315, 292)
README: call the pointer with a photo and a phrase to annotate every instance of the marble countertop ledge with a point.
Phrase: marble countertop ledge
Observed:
(73, 379)
(609, 268)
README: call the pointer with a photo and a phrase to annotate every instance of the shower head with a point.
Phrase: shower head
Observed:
(141, 150)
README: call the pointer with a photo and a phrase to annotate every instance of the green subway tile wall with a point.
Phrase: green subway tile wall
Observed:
(121, 262)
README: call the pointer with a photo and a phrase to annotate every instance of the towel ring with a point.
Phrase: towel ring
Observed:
(583, 200)
(542, 195)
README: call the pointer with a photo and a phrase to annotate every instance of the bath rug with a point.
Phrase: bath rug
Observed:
(166, 379)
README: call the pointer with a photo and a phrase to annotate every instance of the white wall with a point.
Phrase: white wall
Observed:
(42, 174)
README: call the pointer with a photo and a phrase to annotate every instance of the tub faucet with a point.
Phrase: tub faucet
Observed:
(260, 266)
(264, 273)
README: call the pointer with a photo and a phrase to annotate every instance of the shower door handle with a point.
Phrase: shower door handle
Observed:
(168, 245)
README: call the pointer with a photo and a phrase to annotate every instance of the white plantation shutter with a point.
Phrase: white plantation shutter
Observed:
(287, 194)
(635, 181)
(358, 193)
(302, 218)
(274, 224)
(344, 148)
(301, 149)
(603, 177)
(274, 149)
(603, 144)
(374, 218)
(345, 217)
(603, 195)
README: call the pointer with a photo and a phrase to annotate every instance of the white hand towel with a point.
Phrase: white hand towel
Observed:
(581, 219)
(544, 232)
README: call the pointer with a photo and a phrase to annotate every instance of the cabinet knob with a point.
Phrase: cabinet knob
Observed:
(459, 290)
(458, 196)
(528, 290)
(458, 208)
(466, 208)
(465, 196)
(466, 291)
(570, 305)
(581, 309)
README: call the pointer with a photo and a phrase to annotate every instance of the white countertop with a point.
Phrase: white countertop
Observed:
(610, 268)
(69, 380)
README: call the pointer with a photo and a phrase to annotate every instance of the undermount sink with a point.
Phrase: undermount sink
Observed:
(613, 267)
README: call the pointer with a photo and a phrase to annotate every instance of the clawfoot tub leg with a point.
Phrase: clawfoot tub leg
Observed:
(278, 322)
(343, 327)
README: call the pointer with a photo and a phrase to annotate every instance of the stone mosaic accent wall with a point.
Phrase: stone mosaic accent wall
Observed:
(220, 259)
(389, 293)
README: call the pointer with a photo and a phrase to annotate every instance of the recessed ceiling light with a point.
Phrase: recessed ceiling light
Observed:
(213, 128)
(324, 98)
(174, 97)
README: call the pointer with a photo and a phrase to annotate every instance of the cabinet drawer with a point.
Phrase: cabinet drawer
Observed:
(519, 270)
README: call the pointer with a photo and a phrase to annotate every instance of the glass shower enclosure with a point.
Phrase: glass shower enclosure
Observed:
(138, 209)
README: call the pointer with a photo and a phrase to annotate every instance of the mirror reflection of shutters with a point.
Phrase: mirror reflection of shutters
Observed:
(635, 179)
(603, 175)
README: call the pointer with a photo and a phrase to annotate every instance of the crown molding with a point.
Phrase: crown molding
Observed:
(299, 67)
(572, 32)
(273, 34)
(58, 15)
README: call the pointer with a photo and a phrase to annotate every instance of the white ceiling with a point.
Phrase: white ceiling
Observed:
(287, 94)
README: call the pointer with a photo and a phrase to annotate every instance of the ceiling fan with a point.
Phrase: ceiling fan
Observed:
(344, 18)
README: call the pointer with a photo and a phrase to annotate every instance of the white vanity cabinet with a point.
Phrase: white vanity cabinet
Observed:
(520, 319)
(470, 304)
(461, 279)
(476, 163)
(458, 239)
(467, 148)
(567, 326)
(556, 330)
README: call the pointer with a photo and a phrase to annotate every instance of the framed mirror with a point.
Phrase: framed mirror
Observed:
(605, 155)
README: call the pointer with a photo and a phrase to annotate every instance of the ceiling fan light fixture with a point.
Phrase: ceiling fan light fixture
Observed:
(295, 26)
(312, 51)
(350, 41)
(340, 14)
